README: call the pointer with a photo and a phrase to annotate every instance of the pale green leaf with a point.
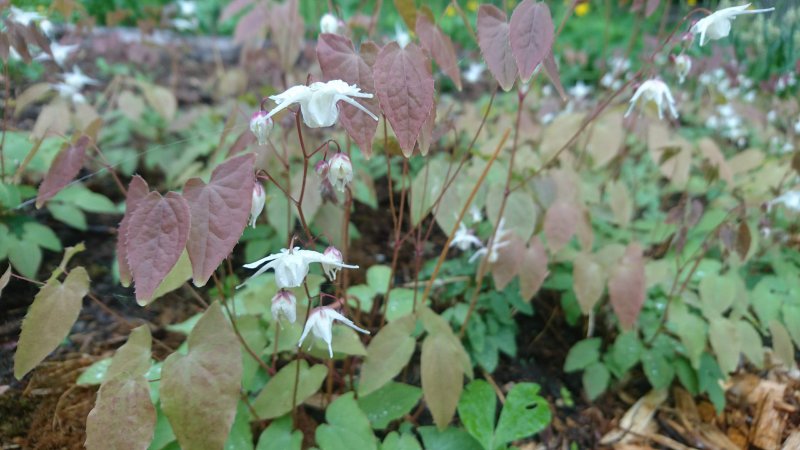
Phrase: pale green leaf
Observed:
(387, 354)
(396, 441)
(524, 414)
(447, 439)
(132, 359)
(477, 409)
(347, 428)
(275, 399)
(582, 354)
(279, 436)
(724, 338)
(442, 378)
(595, 380)
(389, 403)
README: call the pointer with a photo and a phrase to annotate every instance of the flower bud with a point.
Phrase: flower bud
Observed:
(329, 24)
(683, 64)
(341, 171)
(261, 125)
(284, 304)
(335, 257)
(257, 205)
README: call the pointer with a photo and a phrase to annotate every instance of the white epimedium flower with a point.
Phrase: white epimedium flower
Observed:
(284, 303)
(789, 199)
(261, 125)
(498, 243)
(474, 72)
(465, 238)
(257, 204)
(320, 324)
(718, 25)
(187, 8)
(60, 53)
(658, 92)
(340, 171)
(329, 23)
(683, 64)
(291, 265)
(77, 78)
(69, 91)
(319, 101)
(580, 90)
(333, 254)
(23, 18)
(401, 35)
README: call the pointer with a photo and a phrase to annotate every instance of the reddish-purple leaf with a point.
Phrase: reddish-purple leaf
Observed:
(404, 85)
(509, 262)
(440, 47)
(534, 269)
(426, 137)
(551, 69)
(560, 224)
(339, 61)
(287, 30)
(627, 287)
(588, 280)
(219, 212)
(531, 34)
(137, 190)
(650, 7)
(156, 237)
(65, 167)
(495, 44)
(252, 26)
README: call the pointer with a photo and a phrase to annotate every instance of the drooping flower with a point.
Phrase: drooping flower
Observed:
(493, 247)
(23, 18)
(60, 53)
(284, 303)
(291, 265)
(718, 25)
(319, 101)
(261, 125)
(464, 238)
(77, 78)
(257, 205)
(683, 64)
(329, 23)
(340, 172)
(474, 72)
(332, 269)
(657, 91)
(320, 324)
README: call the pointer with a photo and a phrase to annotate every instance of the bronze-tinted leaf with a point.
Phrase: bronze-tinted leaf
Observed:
(531, 34)
(743, 240)
(440, 47)
(627, 287)
(219, 211)
(442, 378)
(551, 69)
(137, 190)
(495, 44)
(388, 353)
(65, 167)
(560, 224)
(509, 262)
(123, 416)
(588, 280)
(287, 28)
(408, 11)
(534, 269)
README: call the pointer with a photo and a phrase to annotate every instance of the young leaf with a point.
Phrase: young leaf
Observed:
(287, 28)
(531, 34)
(279, 436)
(389, 403)
(388, 353)
(495, 44)
(396, 441)
(627, 287)
(219, 212)
(347, 428)
(157, 234)
(582, 355)
(137, 190)
(724, 338)
(275, 399)
(123, 416)
(524, 414)
(52, 314)
(588, 281)
(200, 390)
(132, 359)
(442, 378)
(476, 409)
(440, 47)
(65, 167)
(404, 85)
(534, 269)
(339, 60)
(595, 380)
(509, 262)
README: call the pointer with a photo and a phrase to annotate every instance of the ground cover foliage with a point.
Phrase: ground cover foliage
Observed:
(396, 225)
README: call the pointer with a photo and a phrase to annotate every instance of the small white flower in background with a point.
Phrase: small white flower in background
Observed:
(340, 172)
(320, 324)
(329, 24)
(683, 64)
(718, 25)
(797, 127)
(47, 28)
(580, 90)
(261, 125)
(284, 304)
(657, 91)
(474, 72)
(401, 35)
(77, 79)
(69, 91)
(319, 102)
(465, 238)
(333, 254)
(291, 265)
(257, 205)
(789, 199)
(476, 214)
(23, 18)
(184, 24)
(187, 8)
(496, 245)
(60, 53)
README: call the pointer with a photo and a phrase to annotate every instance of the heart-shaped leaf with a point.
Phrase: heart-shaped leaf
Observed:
(442, 378)
(495, 44)
(387, 354)
(137, 190)
(627, 287)
(440, 47)
(534, 269)
(275, 399)
(347, 428)
(531, 33)
(65, 167)
(525, 413)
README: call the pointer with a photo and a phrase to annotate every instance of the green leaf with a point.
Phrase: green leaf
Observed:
(240, 437)
(387, 354)
(163, 433)
(89, 201)
(279, 436)
(396, 441)
(657, 368)
(389, 403)
(791, 318)
(24, 256)
(68, 214)
(448, 439)
(275, 399)
(347, 428)
(132, 359)
(524, 414)
(595, 380)
(378, 277)
(687, 375)
(52, 314)
(626, 350)
(207, 379)
(751, 343)
(583, 354)
(477, 409)
(41, 235)
(708, 377)
(690, 328)
(442, 377)
(717, 293)
(94, 374)
(724, 337)
(401, 303)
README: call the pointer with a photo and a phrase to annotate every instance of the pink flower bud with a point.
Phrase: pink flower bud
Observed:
(284, 303)
(341, 171)
(261, 125)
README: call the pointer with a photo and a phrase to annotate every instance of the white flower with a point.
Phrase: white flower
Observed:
(401, 35)
(23, 18)
(183, 24)
(496, 245)
(291, 265)
(797, 127)
(789, 199)
(474, 72)
(683, 64)
(718, 25)
(69, 91)
(476, 213)
(319, 102)
(60, 53)
(464, 238)
(284, 304)
(657, 91)
(320, 324)
(77, 79)
(186, 7)
(333, 254)
(257, 205)
(340, 171)
(261, 125)
(329, 24)
(580, 90)
(47, 28)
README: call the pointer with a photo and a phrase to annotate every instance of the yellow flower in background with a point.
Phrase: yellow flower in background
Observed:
(450, 11)
(472, 5)
(582, 9)
(691, 2)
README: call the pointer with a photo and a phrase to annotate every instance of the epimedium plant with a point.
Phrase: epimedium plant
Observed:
(681, 302)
